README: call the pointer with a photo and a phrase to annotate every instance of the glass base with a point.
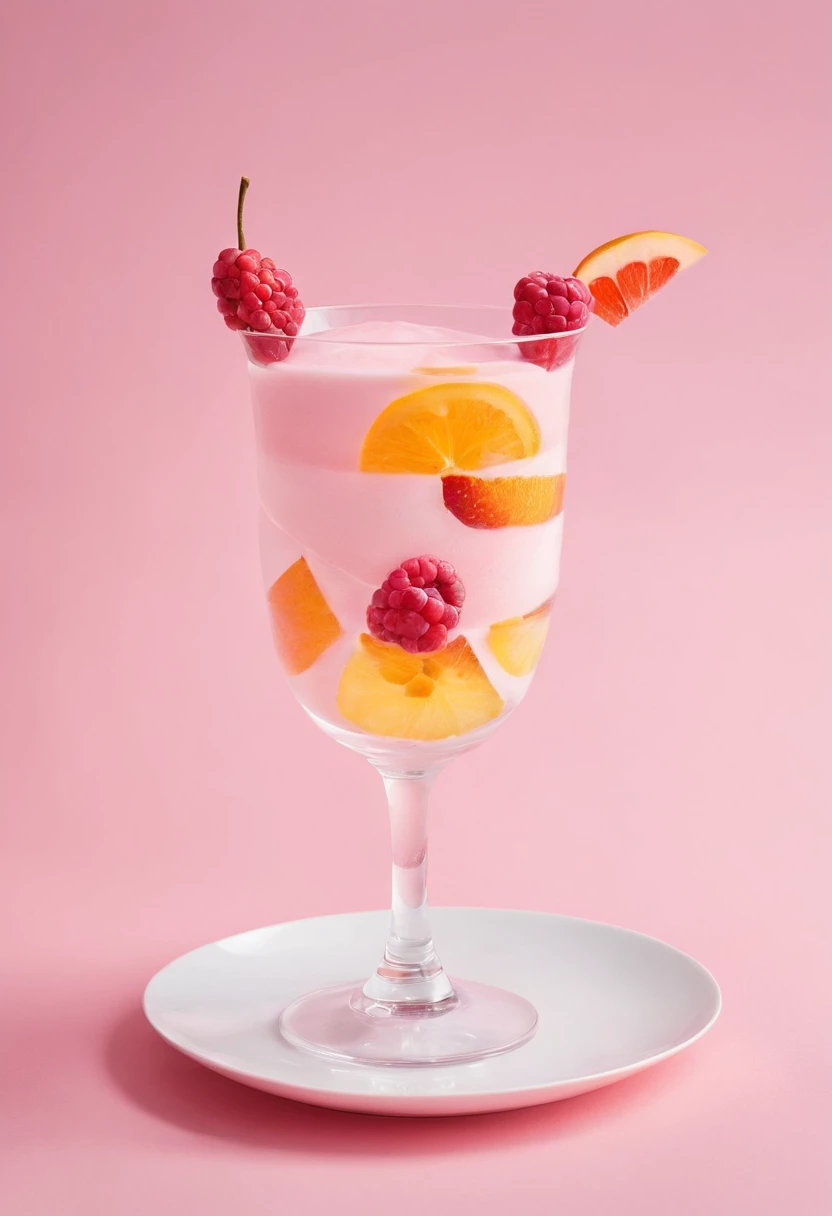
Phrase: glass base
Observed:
(343, 1024)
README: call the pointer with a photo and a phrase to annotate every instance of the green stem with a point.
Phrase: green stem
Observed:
(244, 185)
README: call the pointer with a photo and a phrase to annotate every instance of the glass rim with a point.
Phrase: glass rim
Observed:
(473, 341)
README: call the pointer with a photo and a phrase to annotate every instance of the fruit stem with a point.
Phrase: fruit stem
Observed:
(244, 185)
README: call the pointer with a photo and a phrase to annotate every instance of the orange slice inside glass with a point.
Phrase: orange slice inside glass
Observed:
(450, 426)
(503, 502)
(517, 644)
(303, 624)
(386, 691)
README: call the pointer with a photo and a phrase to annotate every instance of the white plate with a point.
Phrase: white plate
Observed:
(611, 1002)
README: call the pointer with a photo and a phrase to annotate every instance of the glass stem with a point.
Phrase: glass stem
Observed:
(410, 978)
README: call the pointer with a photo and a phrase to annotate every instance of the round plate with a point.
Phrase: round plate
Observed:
(611, 1002)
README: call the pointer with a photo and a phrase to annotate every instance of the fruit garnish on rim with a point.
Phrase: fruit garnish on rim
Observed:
(549, 304)
(623, 273)
(254, 295)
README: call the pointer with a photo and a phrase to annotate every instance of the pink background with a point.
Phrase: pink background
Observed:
(669, 770)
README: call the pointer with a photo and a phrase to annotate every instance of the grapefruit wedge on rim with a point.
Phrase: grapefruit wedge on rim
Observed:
(629, 270)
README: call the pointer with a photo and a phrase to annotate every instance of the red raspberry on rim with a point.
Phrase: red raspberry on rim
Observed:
(550, 304)
(417, 605)
(254, 295)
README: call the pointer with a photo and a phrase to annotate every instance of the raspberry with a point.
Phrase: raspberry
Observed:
(549, 304)
(253, 295)
(417, 604)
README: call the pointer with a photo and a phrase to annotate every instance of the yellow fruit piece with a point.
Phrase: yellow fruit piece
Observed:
(464, 369)
(303, 624)
(626, 272)
(450, 426)
(386, 691)
(517, 644)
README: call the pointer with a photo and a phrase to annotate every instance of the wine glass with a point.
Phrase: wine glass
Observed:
(411, 466)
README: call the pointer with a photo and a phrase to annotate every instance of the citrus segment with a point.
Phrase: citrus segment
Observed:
(503, 502)
(661, 271)
(303, 624)
(610, 305)
(445, 426)
(385, 691)
(518, 644)
(632, 282)
(629, 270)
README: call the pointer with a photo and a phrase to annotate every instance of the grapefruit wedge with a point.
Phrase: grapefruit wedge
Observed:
(629, 270)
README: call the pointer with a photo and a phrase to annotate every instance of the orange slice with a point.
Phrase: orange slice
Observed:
(518, 644)
(503, 502)
(386, 691)
(447, 426)
(629, 270)
(303, 624)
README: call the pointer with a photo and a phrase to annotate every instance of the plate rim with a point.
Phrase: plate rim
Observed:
(311, 1086)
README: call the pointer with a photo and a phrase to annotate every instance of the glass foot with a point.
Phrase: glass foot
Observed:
(343, 1024)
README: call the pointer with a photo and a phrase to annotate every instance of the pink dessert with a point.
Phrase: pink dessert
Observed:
(353, 526)
(412, 469)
